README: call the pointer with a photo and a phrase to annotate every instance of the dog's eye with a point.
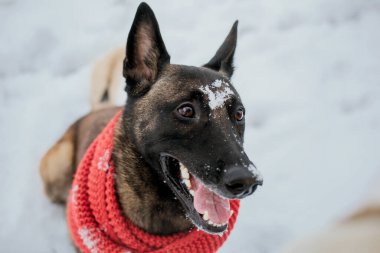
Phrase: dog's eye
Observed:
(239, 114)
(186, 111)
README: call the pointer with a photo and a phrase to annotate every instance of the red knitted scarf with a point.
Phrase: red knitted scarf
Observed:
(95, 218)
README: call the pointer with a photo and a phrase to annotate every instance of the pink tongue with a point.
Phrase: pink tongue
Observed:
(205, 200)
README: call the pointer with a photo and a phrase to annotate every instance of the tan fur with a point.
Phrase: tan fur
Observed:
(358, 233)
(148, 211)
(57, 168)
(58, 165)
(107, 76)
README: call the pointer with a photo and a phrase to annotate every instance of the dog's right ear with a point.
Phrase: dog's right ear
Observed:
(146, 53)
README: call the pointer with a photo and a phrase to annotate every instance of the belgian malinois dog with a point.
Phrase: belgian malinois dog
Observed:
(178, 146)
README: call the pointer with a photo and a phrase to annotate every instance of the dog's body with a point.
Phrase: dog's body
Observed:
(107, 82)
(175, 116)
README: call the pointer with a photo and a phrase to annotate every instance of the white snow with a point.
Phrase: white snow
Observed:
(307, 72)
(218, 83)
(217, 93)
(255, 172)
(103, 163)
(87, 240)
(74, 190)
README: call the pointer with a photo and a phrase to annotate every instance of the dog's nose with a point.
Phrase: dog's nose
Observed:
(240, 182)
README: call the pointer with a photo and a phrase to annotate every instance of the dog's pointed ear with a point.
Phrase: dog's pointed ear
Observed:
(224, 57)
(146, 53)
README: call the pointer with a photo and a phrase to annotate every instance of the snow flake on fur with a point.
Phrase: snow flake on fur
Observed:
(88, 239)
(217, 93)
(74, 190)
(103, 163)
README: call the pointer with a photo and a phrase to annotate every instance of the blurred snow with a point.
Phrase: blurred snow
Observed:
(308, 72)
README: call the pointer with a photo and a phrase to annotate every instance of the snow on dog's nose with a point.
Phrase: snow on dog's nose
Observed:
(241, 182)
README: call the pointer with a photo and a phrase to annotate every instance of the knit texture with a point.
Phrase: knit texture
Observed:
(95, 217)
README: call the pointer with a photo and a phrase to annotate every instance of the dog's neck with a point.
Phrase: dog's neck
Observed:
(143, 197)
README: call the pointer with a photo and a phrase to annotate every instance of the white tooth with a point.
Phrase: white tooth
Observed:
(231, 212)
(210, 222)
(192, 192)
(184, 172)
(205, 215)
(187, 183)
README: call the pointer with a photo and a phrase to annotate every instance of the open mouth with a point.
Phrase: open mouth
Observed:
(207, 210)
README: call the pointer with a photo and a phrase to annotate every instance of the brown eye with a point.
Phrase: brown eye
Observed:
(239, 114)
(186, 111)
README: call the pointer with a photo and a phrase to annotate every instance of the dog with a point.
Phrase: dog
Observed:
(177, 153)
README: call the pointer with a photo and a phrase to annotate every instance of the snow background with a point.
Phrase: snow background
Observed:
(308, 72)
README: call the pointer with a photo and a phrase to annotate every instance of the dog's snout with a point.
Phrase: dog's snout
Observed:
(240, 182)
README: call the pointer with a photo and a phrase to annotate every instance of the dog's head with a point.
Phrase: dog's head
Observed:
(188, 123)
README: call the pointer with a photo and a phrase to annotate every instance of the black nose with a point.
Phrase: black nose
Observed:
(240, 182)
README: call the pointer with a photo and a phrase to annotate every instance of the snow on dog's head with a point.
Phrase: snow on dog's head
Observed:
(217, 93)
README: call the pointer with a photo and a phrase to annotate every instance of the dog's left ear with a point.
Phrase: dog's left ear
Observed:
(224, 57)
(146, 52)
